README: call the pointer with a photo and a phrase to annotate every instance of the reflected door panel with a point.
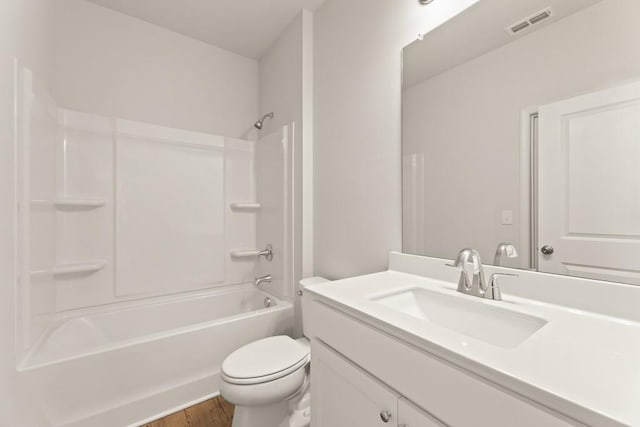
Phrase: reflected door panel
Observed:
(589, 187)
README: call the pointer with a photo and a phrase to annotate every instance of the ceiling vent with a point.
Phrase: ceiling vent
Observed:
(529, 22)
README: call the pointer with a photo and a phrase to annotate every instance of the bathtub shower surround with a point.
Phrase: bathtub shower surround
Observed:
(136, 210)
(126, 234)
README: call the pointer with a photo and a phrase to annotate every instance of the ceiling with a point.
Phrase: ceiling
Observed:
(476, 31)
(246, 27)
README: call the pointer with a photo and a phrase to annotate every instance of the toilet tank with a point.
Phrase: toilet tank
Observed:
(304, 283)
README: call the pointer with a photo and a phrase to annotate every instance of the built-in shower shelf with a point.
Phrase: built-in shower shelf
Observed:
(67, 202)
(245, 206)
(81, 203)
(76, 268)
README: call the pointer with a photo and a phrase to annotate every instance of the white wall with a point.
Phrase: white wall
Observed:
(280, 77)
(357, 126)
(111, 64)
(286, 89)
(24, 32)
(467, 121)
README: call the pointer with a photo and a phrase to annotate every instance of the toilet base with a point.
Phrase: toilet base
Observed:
(276, 415)
(289, 413)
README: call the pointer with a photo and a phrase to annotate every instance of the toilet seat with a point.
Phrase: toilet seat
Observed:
(265, 393)
(265, 360)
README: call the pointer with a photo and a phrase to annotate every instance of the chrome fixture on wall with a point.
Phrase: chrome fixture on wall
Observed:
(262, 279)
(267, 253)
(424, 2)
(258, 124)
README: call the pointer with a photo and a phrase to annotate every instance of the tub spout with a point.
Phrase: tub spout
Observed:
(262, 279)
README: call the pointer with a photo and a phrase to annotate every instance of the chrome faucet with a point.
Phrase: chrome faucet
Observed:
(267, 278)
(504, 250)
(476, 286)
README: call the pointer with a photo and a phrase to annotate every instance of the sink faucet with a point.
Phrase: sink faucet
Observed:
(476, 286)
(504, 250)
(262, 279)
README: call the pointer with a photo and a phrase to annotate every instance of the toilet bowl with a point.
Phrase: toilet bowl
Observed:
(268, 380)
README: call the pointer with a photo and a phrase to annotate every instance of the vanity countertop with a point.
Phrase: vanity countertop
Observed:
(582, 364)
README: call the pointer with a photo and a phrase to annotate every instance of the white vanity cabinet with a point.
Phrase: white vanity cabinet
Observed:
(409, 415)
(361, 374)
(344, 395)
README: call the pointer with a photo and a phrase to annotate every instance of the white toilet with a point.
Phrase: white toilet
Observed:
(268, 380)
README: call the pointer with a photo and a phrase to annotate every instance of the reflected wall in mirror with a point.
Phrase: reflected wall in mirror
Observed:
(521, 125)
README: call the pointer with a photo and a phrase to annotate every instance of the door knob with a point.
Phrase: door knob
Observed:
(385, 416)
(546, 250)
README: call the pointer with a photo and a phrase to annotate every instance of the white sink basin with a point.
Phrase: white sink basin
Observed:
(477, 319)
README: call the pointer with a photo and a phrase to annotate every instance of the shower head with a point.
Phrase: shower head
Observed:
(258, 124)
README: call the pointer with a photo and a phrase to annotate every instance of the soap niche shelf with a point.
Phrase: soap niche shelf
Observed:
(69, 203)
(72, 269)
(245, 206)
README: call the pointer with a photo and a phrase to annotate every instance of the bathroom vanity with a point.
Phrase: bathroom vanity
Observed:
(404, 348)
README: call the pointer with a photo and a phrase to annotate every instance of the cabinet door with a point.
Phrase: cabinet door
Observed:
(343, 395)
(410, 415)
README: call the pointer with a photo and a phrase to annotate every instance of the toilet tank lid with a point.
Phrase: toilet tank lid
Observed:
(312, 281)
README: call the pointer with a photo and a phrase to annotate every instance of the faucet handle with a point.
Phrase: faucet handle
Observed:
(493, 290)
(494, 275)
(267, 253)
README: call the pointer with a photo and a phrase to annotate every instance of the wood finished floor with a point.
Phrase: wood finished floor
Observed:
(214, 412)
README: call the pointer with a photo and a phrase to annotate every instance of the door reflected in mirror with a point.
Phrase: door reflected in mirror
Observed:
(525, 145)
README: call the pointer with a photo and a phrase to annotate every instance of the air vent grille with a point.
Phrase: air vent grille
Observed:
(530, 21)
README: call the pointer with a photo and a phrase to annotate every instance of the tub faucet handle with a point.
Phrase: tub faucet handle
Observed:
(267, 253)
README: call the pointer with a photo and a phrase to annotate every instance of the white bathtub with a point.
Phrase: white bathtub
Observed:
(125, 365)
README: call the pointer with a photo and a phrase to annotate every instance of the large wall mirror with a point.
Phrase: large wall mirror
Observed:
(521, 137)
